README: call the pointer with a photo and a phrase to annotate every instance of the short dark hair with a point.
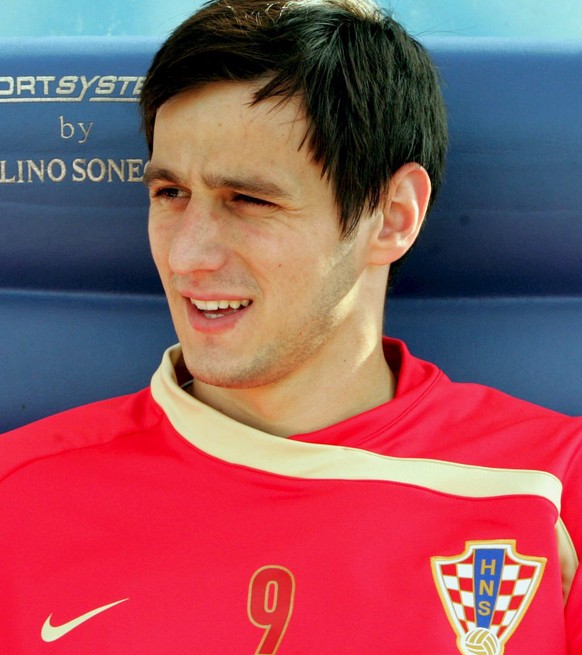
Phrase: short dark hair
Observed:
(370, 91)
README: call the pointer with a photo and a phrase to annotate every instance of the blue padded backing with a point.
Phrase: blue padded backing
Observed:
(74, 235)
(492, 293)
(60, 350)
(509, 219)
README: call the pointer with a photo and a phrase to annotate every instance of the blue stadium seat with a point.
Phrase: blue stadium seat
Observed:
(492, 293)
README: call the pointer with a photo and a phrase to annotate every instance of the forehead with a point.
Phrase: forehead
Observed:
(227, 109)
(217, 132)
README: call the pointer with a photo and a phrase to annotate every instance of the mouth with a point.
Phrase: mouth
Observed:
(215, 309)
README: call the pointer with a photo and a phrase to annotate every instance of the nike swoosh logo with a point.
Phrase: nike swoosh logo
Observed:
(53, 632)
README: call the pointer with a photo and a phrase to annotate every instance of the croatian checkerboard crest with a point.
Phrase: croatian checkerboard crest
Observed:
(485, 592)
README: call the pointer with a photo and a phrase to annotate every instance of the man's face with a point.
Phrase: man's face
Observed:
(245, 236)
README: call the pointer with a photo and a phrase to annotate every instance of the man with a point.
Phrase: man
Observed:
(291, 483)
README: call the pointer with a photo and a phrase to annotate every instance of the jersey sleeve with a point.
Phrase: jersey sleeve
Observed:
(572, 517)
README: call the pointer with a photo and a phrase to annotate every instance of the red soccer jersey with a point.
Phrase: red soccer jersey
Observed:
(439, 523)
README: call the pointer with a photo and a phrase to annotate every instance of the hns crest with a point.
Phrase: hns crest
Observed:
(485, 592)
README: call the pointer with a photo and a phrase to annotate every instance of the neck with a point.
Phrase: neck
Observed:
(354, 381)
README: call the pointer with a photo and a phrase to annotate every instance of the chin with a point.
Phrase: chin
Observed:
(234, 380)
(236, 376)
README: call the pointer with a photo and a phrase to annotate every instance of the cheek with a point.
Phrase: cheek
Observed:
(296, 280)
(281, 255)
(160, 240)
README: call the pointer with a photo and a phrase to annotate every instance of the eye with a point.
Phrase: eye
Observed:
(169, 197)
(168, 193)
(251, 200)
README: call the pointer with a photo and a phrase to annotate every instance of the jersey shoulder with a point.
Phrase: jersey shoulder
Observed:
(478, 425)
(81, 427)
(499, 408)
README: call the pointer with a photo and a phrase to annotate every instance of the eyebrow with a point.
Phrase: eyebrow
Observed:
(249, 184)
(153, 173)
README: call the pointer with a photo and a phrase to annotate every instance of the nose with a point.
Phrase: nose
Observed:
(198, 242)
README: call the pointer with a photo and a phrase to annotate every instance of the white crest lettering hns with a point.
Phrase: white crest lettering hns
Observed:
(486, 591)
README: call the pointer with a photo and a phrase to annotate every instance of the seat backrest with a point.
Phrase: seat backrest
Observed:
(492, 292)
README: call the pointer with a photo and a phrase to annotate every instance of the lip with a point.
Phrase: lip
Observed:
(212, 296)
(204, 325)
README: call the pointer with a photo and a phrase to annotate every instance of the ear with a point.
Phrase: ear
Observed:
(401, 214)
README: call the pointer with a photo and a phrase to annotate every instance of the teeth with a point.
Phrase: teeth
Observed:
(213, 305)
